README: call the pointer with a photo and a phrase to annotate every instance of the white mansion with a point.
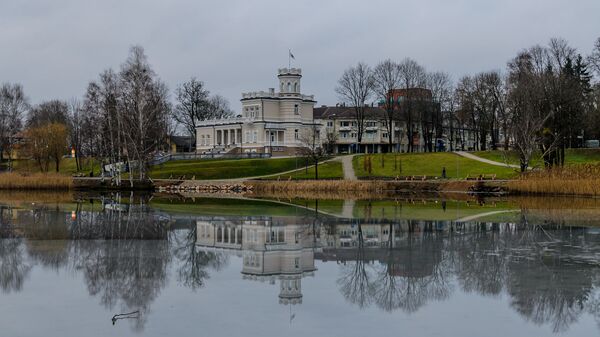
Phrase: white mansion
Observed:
(271, 122)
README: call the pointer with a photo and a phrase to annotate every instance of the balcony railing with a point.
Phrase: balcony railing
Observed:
(225, 121)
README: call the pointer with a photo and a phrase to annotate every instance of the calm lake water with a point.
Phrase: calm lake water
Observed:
(116, 265)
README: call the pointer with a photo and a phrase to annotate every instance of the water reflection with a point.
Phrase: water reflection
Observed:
(127, 252)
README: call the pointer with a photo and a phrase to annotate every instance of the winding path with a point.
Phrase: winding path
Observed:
(483, 160)
(348, 168)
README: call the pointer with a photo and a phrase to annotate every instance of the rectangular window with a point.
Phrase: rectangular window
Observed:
(329, 124)
(344, 123)
(296, 136)
(254, 136)
(296, 109)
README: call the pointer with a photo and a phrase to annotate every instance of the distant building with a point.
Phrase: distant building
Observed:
(340, 121)
(181, 144)
(270, 122)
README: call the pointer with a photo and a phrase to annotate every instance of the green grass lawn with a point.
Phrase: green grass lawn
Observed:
(68, 166)
(427, 209)
(327, 170)
(428, 164)
(572, 156)
(227, 207)
(224, 168)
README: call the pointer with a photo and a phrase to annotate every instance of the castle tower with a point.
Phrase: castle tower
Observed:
(289, 81)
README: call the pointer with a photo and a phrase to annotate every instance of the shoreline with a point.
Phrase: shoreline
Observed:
(388, 187)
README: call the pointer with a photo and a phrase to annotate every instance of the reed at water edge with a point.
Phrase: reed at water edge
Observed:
(581, 180)
(35, 181)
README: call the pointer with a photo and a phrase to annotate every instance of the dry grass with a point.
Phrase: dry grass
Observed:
(37, 181)
(581, 180)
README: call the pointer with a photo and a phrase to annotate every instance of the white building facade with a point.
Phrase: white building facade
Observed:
(270, 122)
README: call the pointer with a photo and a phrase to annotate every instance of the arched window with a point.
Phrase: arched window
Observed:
(296, 87)
(289, 87)
(219, 235)
(281, 87)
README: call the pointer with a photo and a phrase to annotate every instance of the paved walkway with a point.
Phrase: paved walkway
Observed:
(348, 168)
(483, 160)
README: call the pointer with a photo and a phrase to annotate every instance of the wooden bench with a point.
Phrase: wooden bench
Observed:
(481, 177)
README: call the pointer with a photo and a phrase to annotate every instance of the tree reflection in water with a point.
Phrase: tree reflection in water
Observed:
(551, 276)
(355, 282)
(123, 252)
(14, 268)
(194, 261)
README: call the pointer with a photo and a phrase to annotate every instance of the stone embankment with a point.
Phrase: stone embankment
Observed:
(193, 186)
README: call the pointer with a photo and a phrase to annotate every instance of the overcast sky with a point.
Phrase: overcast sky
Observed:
(55, 47)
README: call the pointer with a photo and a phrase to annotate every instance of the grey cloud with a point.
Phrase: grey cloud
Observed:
(54, 48)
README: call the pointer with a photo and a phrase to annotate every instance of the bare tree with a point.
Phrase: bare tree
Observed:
(218, 107)
(356, 87)
(526, 99)
(192, 101)
(54, 111)
(412, 75)
(441, 91)
(311, 146)
(13, 105)
(386, 77)
(144, 109)
(594, 58)
(76, 131)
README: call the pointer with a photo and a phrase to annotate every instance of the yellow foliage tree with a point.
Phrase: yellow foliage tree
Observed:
(47, 143)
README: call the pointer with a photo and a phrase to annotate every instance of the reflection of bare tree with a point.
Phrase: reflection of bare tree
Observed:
(355, 282)
(194, 262)
(127, 275)
(13, 269)
(412, 275)
(548, 274)
(481, 261)
(546, 287)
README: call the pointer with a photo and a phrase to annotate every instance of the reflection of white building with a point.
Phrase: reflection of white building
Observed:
(270, 251)
(270, 122)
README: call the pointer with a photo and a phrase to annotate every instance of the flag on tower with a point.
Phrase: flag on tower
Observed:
(292, 55)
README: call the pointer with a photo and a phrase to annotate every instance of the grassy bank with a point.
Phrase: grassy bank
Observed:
(327, 170)
(224, 168)
(391, 165)
(572, 156)
(581, 180)
(36, 181)
(68, 166)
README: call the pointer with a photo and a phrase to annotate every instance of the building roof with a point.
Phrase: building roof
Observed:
(182, 140)
(333, 112)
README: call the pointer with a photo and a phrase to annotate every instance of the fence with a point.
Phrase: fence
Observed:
(200, 156)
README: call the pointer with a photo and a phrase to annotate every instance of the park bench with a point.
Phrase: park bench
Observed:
(481, 177)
